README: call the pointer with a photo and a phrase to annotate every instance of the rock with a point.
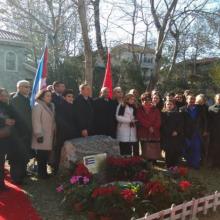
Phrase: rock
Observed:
(75, 149)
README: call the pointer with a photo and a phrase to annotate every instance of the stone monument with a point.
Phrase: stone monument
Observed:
(74, 150)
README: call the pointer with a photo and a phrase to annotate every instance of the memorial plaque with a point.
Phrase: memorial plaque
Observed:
(94, 162)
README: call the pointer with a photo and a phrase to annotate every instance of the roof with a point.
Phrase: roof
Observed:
(137, 48)
(203, 61)
(6, 36)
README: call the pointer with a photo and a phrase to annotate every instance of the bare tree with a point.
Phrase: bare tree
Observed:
(162, 26)
(98, 29)
(87, 47)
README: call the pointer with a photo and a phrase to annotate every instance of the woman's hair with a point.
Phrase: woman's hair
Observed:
(67, 92)
(127, 97)
(169, 101)
(146, 96)
(166, 102)
(40, 95)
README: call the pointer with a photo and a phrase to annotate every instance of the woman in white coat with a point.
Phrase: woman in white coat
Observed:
(126, 126)
(43, 120)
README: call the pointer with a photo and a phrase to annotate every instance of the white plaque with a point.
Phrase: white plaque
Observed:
(94, 162)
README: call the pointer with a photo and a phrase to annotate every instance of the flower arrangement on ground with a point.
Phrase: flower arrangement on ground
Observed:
(127, 168)
(130, 190)
(78, 189)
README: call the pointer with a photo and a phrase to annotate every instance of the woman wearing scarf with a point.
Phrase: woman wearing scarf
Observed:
(126, 127)
(148, 117)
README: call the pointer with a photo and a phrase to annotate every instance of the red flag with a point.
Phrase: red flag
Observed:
(108, 76)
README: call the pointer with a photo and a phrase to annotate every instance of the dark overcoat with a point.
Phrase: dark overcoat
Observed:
(6, 112)
(57, 99)
(200, 123)
(104, 117)
(214, 128)
(23, 127)
(170, 122)
(83, 114)
(65, 122)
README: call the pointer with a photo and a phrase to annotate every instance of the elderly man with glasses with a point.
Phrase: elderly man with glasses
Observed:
(20, 155)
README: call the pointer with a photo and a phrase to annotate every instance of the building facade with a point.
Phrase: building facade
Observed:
(13, 60)
(144, 56)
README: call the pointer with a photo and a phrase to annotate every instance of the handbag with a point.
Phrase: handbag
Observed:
(5, 132)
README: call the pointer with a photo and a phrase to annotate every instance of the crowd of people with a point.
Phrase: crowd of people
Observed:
(181, 124)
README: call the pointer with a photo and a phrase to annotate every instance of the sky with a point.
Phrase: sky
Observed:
(120, 28)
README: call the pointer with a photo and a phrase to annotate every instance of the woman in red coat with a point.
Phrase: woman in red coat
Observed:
(148, 117)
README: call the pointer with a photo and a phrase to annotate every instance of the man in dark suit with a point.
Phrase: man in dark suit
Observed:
(195, 126)
(57, 95)
(20, 155)
(104, 114)
(83, 112)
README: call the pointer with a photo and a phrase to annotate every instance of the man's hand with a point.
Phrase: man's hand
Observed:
(84, 133)
(174, 134)
(10, 122)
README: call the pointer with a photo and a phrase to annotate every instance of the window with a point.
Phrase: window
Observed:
(10, 61)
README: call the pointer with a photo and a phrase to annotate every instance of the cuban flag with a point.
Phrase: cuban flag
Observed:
(89, 161)
(40, 77)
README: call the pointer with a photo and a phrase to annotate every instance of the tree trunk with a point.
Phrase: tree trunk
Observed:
(158, 59)
(87, 46)
(155, 75)
(134, 22)
(98, 29)
(175, 52)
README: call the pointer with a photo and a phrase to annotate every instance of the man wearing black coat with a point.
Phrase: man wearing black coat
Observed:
(104, 114)
(214, 128)
(172, 139)
(57, 94)
(20, 155)
(83, 112)
(65, 125)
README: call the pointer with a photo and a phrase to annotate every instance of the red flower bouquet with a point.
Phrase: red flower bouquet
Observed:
(155, 187)
(124, 168)
(104, 191)
(184, 185)
(81, 170)
(128, 195)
